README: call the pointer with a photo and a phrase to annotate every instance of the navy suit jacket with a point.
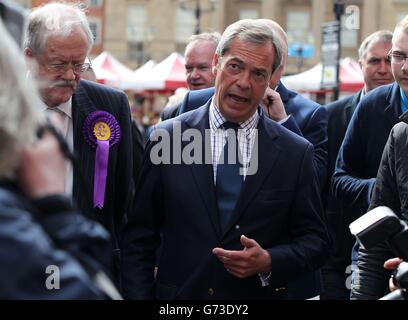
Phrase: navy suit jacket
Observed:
(337, 213)
(90, 97)
(279, 207)
(360, 153)
(307, 119)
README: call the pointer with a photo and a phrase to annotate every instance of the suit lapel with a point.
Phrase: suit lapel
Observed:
(351, 106)
(203, 173)
(82, 105)
(267, 152)
(393, 109)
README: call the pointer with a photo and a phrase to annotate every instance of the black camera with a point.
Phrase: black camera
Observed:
(382, 224)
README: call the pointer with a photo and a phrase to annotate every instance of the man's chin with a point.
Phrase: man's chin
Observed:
(198, 87)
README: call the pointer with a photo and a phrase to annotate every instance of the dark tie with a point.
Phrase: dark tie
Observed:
(229, 181)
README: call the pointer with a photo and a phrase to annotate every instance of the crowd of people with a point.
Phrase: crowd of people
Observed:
(244, 190)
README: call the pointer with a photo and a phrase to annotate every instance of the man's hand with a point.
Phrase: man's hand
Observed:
(392, 264)
(42, 168)
(273, 105)
(247, 262)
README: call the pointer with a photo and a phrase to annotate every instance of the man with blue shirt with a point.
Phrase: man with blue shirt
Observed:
(376, 67)
(360, 154)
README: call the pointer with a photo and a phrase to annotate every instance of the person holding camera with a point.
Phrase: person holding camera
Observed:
(48, 250)
(390, 190)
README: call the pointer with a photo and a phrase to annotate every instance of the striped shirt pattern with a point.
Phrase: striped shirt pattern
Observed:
(246, 137)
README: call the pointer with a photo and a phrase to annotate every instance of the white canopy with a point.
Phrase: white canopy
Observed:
(351, 77)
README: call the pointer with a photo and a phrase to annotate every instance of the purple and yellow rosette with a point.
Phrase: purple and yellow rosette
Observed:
(102, 131)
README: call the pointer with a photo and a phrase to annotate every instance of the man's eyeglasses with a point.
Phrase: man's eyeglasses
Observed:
(63, 67)
(397, 57)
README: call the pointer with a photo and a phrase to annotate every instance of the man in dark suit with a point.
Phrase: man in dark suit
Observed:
(360, 153)
(221, 240)
(96, 119)
(301, 116)
(370, 127)
(374, 62)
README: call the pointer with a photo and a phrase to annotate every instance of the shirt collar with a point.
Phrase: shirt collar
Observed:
(65, 107)
(217, 119)
(404, 101)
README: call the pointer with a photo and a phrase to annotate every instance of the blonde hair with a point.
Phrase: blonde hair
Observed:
(20, 105)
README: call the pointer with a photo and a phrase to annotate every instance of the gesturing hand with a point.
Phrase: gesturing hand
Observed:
(253, 259)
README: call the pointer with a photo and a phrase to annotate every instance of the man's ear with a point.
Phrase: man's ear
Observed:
(30, 61)
(28, 53)
(215, 64)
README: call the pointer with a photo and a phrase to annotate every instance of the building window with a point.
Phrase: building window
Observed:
(248, 14)
(137, 33)
(95, 24)
(185, 23)
(95, 3)
(298, 26)
(136, 23)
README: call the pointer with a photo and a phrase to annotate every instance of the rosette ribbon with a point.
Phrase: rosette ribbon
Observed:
(101, 131)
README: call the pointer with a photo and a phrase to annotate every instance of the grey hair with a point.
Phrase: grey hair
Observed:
(205, 36)
(20, 105)
(381, 36)
(56, 18)
(253, 31)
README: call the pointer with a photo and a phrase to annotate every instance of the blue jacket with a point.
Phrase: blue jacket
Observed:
(360, 153)
(308, 120)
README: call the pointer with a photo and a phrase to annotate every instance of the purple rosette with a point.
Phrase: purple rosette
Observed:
(101, 131)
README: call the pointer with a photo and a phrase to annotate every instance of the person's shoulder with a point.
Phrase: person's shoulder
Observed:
(196, 98)
(400, 130)
(202, 93)
(300, 101)
(286, 137)
(331, 106)
(190, 117)
(381, 92)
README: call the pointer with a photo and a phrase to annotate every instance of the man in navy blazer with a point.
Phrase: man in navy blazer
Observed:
(301, 116)
(96, 119)
(275, 232)
(375, 65)
(360, 154)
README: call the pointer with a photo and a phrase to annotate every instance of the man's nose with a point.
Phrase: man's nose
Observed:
(195, 73)
(384, 67)
(244, 79)
(69, 74)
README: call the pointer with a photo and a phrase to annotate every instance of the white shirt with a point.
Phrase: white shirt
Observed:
(65, 111)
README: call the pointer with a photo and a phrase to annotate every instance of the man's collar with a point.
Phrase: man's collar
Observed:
(217, 119)
(65, 107)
